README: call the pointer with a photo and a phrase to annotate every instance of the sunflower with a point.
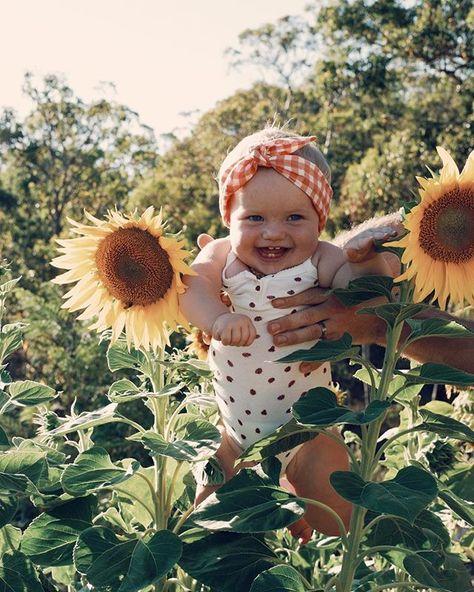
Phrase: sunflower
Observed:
(198, 347)
(128, 274)
(439, 247)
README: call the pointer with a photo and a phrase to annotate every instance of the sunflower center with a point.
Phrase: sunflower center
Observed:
(447, 227)
(133, 266)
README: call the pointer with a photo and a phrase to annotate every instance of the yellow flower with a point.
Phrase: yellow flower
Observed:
(198, 347)
(128, 274)
(439, 247)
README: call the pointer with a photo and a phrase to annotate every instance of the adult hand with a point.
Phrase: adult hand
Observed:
(203, 240)
(305, 325)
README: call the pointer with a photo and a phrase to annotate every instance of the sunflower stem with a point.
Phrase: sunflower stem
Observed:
(368, 462)
(159, 407)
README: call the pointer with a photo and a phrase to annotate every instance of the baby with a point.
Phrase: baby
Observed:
(274, 195)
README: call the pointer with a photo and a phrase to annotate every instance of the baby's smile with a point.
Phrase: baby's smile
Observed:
(272, 252)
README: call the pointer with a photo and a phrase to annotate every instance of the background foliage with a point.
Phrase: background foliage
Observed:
(380, 83)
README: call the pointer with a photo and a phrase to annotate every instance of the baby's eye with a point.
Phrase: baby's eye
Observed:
(294, 217)
(255, 218)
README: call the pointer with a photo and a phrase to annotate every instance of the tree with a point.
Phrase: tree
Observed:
(65, 156)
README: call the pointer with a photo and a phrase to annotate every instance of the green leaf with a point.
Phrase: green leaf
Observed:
(30, 393)
(13, 483)
(87, 420)
(452, 577)
(365, 288)
(125, 565)
(200, 441)
(11, 339)
(461, 507)
(437, 327)
(92, 470)
(22, 461)
(199, 367)
(50, 538)
(393, 313)
(446, 426)
(319, 408)
(427, 531)
(406, 495)
(461, 481)
(434, 529)
(134, 495)
(10, 539)
(151, 560)
(226, 561)
(208, 472)
(249, 509)
(123, 390)
(285, 438)
(118, 357)
(17, 563)
(102, 557)
(324, 351)
(8, 508)
(407, 390)
(437, 374)
(4, 441)
(278, 578)
(7, 287)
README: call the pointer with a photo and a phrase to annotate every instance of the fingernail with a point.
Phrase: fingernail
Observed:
(273, 327)
(280, 340)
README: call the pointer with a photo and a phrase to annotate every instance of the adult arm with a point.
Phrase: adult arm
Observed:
(303, 326)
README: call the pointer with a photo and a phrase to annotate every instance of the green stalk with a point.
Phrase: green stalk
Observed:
(159, 406)
(367, 465)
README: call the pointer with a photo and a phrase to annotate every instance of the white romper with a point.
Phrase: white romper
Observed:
(255, 393)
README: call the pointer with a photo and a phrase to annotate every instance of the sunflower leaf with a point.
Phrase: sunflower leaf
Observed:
(319, 408)
(406, 495)
(325, 351)
(92, 470)
(365, 288)
(284, 438)
(119, 357)
(258, 508)
(437, 374)
(446, 426)
(125, 565)
(30, 393)
(243, 556)
(200, 441)
(50, 538)
(463, 508)
(17, 573)
(444, 572)
(393, 313)
(279, 577)
(406, 390)
(87, 420)
(436, 327)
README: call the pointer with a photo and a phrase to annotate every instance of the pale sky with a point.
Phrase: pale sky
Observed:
(165, 57)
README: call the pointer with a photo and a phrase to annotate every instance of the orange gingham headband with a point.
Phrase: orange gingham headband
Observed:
(278, 155)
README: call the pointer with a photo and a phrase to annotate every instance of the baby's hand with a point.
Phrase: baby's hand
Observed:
(360, 248)
(234, 329)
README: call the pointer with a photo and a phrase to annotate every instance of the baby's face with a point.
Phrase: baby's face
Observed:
(273, 224)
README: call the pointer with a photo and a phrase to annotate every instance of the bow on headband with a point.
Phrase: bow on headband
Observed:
(278, 155)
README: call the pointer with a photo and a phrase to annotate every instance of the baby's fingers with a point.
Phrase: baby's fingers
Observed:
(307, 367)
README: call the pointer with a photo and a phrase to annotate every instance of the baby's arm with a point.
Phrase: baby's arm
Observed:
(337, 267)
(201, 304)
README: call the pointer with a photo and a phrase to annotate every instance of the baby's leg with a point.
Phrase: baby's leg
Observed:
(309, 473)
(227, 454)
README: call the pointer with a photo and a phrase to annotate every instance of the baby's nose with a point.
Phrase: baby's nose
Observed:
(273, 230)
